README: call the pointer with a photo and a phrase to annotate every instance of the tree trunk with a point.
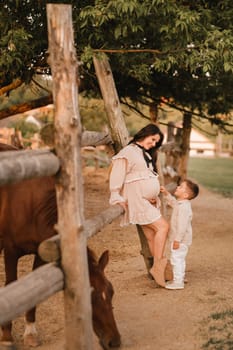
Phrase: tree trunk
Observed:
(69, 187)
(145, 251)
(112, 105)
(185, 145)
(153, 110)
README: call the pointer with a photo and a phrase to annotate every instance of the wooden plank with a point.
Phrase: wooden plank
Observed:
(49, 250)
(69, 187)
(89, 138)
(19, 165)
(119, 132)
(94, 138)
(30, 290)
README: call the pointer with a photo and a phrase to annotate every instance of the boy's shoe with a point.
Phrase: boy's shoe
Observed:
(174, 285)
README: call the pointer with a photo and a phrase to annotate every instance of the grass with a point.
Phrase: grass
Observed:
(219, 331)
(215, 174)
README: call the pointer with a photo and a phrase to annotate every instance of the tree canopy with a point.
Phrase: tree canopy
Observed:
(178, 50)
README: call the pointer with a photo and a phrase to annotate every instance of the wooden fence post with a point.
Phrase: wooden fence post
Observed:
(63, 62)
(119, 131)
(112, 105)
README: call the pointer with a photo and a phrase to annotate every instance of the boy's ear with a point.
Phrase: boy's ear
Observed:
(186, 195)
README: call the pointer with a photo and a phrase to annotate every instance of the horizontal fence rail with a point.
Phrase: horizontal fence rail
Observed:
(95, 138)
(30, 290)
(20, 165)
(49, 250)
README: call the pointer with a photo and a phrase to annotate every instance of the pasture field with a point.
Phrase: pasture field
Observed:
(216, 174)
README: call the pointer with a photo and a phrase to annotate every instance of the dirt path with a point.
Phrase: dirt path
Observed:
(148, 317)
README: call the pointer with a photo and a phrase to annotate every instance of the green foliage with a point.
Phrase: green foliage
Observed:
(186, 48)
(27, 129)
(93, 116)
(23, 38)
(192, 51)
(26, 92)
(14, 49)
(87, 56)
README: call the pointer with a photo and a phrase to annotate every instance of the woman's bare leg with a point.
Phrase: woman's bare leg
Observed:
(156, 234)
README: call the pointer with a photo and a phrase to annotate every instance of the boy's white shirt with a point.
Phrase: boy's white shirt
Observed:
(181, 220)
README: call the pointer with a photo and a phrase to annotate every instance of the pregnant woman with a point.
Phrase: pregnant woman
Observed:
(135, 186)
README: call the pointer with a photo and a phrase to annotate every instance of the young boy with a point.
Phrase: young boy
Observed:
(180, 235)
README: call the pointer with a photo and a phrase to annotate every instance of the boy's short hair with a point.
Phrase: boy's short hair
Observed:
(193, 188)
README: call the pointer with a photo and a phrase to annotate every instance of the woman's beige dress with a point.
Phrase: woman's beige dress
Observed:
(133, 182)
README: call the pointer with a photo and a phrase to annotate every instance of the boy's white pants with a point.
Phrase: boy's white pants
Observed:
(177, 259)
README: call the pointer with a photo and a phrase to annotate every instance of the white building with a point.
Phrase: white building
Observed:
(200, 145)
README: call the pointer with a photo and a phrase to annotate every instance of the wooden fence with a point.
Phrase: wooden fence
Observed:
(70, 244)
(32, 289)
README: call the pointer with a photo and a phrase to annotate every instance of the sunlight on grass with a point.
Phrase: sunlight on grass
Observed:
(215, 174)
(219, 330)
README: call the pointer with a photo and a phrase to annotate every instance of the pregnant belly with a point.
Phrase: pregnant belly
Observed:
(150, 188)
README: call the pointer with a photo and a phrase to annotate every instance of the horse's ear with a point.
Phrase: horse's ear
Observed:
(103, 260)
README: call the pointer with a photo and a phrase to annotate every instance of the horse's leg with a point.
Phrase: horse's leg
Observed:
(30, 335)
(10, 261)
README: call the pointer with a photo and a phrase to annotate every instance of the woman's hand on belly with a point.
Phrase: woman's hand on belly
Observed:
(152, 201)
(155, 201)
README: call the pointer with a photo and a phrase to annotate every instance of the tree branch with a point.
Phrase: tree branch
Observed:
(27, 106)
(16, 83)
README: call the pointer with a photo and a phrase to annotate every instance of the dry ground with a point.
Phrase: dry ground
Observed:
(148, 317)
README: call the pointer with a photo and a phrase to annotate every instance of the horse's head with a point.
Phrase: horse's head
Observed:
(104, 323)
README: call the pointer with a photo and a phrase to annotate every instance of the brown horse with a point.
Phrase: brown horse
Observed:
(28, 213)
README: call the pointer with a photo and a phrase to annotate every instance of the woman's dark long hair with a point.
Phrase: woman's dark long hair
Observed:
(149, 130)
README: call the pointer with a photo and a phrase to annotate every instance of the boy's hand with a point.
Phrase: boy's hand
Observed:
(176, 245)
(163, 190)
